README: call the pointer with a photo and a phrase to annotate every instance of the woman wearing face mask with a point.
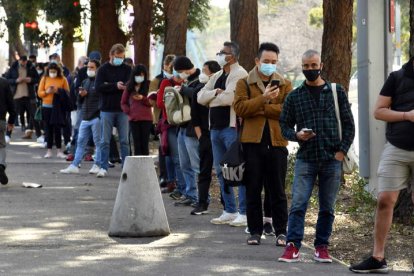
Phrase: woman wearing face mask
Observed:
(90, 124)
(53, 90)
(135, 104)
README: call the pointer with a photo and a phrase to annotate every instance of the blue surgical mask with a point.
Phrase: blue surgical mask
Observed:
(139, 79)
(117, 61)
(176, 74)
(167, 75)
(267, 69)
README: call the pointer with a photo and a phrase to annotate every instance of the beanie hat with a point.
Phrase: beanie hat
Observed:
(182, 63)
(95, 55)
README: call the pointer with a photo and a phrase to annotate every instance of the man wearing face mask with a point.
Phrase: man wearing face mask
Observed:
(309, 118)
(90, 124)
(199, 119)
(263, 144)
(110, 84)
(218, 95)
(187, 140)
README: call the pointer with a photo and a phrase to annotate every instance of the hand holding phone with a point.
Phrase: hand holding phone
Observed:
(275, 83)
(307, 130)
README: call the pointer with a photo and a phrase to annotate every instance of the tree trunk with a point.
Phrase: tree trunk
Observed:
(411, 28)
(93, 43)
(13, 26)
(404, 209)
(141, 28)
(244, 29)
(337, 41)
(105, 30)
(68, 51)
(176, 13)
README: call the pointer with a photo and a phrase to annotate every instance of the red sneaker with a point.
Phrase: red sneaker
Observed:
(322, 255)
(88, 158)
(291, 254)
(70, 157)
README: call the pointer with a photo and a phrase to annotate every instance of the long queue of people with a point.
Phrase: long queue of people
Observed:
(199, 115)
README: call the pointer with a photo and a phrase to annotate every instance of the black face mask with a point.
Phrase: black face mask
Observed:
(311, 75)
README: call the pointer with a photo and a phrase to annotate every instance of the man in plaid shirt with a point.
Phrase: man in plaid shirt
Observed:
(311, 108)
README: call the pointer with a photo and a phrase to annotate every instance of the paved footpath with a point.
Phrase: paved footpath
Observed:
(61, 229)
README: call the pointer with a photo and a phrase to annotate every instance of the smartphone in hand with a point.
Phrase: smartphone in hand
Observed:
(275, 83)
(307, 130)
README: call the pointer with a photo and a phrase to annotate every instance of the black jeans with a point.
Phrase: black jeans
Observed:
(206, 166)
(140, 134)
(266, 166)
(54, 133)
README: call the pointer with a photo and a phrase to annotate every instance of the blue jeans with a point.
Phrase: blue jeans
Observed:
(175, 158)
(86, 129)
(329, 175)
(189, 162)
(108, 121)
(221, 141)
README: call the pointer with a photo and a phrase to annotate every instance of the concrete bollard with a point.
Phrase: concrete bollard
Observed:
(139, 209)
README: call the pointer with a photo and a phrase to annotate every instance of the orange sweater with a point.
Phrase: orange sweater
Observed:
(45, 83)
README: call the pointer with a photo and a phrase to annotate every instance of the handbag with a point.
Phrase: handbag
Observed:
(233, 162)
(38, 114)
(350, 160)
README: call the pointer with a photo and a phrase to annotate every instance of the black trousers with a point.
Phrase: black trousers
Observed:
(140, 134)
(54, 133)
(206, 165)
(23, 106)
(266, 166)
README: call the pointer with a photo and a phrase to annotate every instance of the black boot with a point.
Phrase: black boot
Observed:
(3, 177)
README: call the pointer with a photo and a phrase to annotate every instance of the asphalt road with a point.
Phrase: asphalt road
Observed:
(62, 229)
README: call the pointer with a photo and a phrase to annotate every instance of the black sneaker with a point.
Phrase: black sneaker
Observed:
(268, 229)
(199, 210)
(370, 265)
(175, 195)
(184, 202)
(3, 177)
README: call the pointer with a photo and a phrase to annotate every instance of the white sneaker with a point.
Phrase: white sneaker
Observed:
(240, 220)
(60, 154)
(48, 154)
(102, 173)
(70, 169)
(95, 169)
(40, 139)
(225, 218)
(7, 138)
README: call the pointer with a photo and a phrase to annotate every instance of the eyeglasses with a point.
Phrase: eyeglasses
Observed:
(221, 53)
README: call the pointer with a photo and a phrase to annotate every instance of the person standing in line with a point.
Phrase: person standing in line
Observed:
(308, 117)
(218, 95)
(90, 124)
(395, 106)
(6, 106)
(199, 119)
(110, 82)
(259, 101)
(166, 165)
(54, 92)
(135, 104)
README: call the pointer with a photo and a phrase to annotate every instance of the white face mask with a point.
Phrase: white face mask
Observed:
(221, 60)
(139, 79)
(91, 73)
(184, 75)
(203, 78)
(39, 72)
(52, 75)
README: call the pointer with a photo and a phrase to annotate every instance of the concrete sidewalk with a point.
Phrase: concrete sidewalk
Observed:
(61, 229)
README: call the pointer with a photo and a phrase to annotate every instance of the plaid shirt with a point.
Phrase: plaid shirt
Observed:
(300, 110)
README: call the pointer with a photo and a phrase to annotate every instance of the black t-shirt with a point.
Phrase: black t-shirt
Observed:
(315, 92)
(266, 138)
(389, 87)
(220, 115)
